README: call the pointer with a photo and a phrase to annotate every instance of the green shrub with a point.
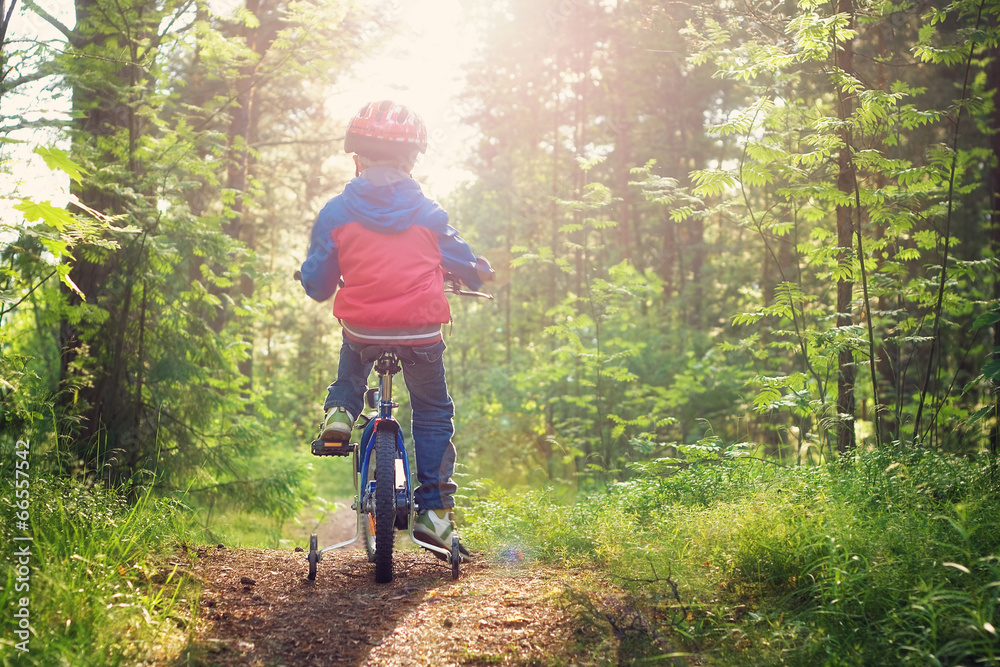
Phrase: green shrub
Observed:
(102, 589)
(889, 558)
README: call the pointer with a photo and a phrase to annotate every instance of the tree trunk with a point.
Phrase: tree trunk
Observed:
(993, 83)
(887, 361)
(846, 369)
(623, 148)
(242, 137)
(555, 217)
(667, 262)
(6, 15)
(101, 358)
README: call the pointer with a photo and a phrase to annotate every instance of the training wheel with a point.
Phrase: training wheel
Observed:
(456, 557)
(313, 557)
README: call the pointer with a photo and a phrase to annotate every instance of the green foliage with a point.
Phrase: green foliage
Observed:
(103, 586)
(889, 558)
(787, 189)
(735, 222)
(46, 237)
(140, 369)
(646, 315)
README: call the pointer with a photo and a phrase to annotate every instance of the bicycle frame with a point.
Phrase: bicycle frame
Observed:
(387, 365)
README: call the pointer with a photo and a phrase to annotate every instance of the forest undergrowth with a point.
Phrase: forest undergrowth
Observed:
(774, 220)
(889, 557)
(101, 582)
(886, 557)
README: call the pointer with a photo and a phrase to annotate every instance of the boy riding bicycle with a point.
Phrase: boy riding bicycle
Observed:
(388, 243)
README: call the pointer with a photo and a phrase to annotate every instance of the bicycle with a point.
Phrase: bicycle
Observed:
(384, 493)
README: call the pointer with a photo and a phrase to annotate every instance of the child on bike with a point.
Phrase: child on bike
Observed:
(386, 243)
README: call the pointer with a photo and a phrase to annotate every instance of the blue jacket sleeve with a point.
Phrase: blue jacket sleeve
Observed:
(321, 270)
(457, 257)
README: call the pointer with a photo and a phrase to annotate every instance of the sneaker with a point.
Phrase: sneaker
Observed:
(437, 527)
(337, 426)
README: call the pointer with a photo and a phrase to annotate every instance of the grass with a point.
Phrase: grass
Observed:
(891, 559)
(329, 485)
(101, 588)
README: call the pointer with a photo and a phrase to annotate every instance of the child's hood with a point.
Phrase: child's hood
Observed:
(391, 208)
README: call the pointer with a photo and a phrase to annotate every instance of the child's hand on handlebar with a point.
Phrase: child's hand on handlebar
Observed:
(485, 271)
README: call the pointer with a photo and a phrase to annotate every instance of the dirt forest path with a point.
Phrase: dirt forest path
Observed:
(259, 608)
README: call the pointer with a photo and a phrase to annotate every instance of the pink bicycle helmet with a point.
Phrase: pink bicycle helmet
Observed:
(385, 129)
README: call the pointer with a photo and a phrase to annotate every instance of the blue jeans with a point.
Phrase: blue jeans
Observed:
(433, 413)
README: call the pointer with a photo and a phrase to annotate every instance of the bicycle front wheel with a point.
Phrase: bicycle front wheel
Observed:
(385, 503)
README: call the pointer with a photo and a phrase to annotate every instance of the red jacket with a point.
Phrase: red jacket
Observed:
(390, 243)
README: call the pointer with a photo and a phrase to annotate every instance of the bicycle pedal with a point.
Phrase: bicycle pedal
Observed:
(320, 448)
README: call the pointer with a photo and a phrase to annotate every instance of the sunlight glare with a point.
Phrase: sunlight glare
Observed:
(420, 67)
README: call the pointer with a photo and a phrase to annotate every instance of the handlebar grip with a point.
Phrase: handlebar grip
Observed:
(297, 275)
(485, 271)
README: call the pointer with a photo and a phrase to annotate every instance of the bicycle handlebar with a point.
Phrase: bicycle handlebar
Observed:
(452, 285)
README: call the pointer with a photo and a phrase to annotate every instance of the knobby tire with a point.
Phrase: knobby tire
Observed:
(385, 503)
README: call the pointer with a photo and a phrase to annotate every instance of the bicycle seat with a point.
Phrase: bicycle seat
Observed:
(373, 352)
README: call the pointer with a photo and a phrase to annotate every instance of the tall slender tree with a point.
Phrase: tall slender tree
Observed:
(846, 184)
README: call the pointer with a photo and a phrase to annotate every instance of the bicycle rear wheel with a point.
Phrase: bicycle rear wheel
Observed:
(385, 503)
